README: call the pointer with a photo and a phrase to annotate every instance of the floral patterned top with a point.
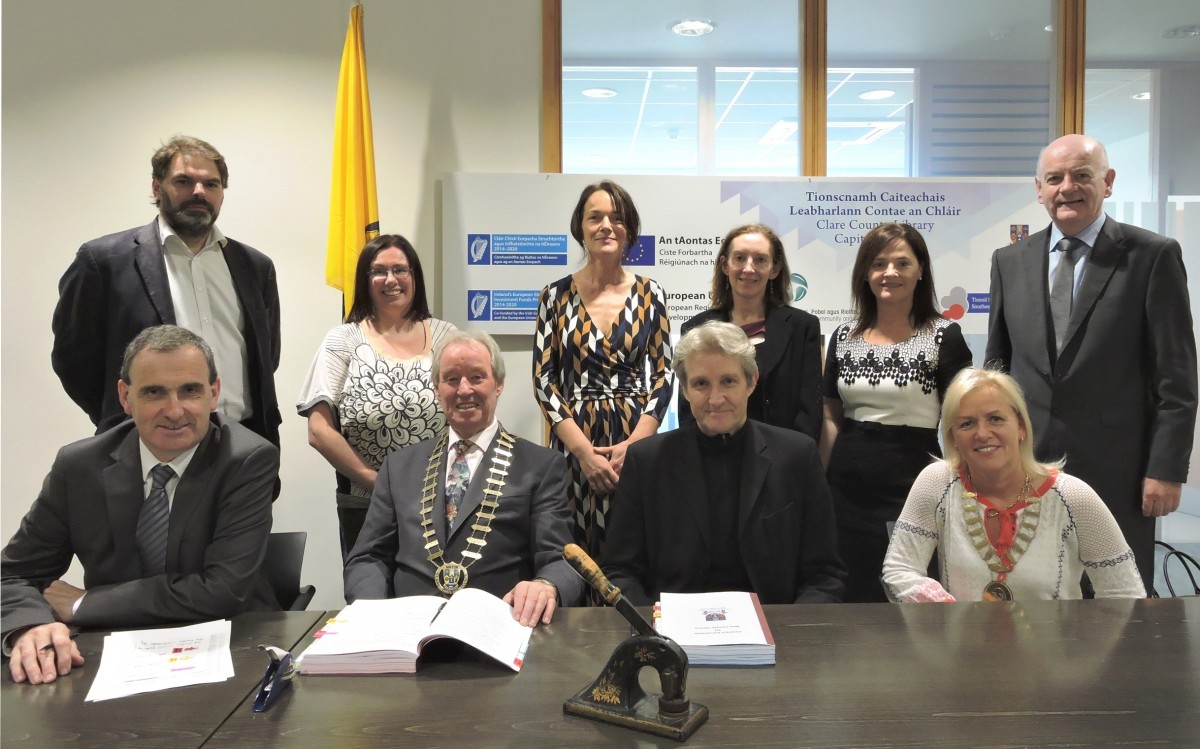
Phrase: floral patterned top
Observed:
(382, 404)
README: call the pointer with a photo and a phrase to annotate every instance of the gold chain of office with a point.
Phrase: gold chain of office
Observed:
(973, 513)
(450, 577)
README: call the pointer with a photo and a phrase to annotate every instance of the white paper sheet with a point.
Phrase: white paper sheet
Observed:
(149, 660)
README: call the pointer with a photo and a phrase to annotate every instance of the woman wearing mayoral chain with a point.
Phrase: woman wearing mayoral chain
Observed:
(1005, 526)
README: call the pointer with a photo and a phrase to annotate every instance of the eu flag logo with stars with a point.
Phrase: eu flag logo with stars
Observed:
(642, 251)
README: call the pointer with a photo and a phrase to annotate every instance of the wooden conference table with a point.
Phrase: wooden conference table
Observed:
(1077, 673)
(55, 715)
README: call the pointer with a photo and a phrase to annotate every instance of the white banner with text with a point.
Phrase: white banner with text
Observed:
(505, 236)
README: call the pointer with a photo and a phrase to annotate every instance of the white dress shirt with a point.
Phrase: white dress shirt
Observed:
(480, 444)
(206, 303)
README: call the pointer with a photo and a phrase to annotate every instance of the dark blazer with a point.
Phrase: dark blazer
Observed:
(789, 369)
(1120, 401)
(89, 506)
(531, 527)
(117, 286)
(658, 534)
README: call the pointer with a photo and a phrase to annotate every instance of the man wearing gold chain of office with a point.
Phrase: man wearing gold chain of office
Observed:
(475, 508)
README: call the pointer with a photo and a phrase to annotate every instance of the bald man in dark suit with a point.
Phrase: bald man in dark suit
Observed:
(1114, 390)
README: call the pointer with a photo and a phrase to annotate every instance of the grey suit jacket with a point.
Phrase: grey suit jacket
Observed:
(89, 506)
(531, 527)
(1120, 400)
(117, 286)
(660, 537)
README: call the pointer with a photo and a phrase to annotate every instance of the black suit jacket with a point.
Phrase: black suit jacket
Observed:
(658, 534)
(531, 527)
(1119, 402)
(789, 369)
(89, 507)
(117, 286)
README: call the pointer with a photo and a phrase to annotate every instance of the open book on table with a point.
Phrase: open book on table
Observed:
(717, 629)
(385, 637)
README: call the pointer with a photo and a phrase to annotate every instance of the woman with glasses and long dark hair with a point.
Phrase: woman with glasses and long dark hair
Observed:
(370, 390)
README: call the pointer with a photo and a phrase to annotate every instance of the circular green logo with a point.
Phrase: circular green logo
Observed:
(799, 287)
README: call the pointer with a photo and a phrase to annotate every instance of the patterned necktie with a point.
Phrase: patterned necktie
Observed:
(456, 483)
(153, 521)
(1063, 292)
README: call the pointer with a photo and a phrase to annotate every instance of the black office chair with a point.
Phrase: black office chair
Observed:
(285, 555)
(1190, 566)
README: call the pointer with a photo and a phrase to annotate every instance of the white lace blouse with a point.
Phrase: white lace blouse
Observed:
(1075, 532)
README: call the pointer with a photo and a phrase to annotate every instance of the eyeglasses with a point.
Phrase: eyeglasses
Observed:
(738, 260)
(399, 271)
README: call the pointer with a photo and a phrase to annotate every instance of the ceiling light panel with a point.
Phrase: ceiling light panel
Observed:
(690, 27)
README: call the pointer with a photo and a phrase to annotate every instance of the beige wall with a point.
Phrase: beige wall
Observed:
(91, 88)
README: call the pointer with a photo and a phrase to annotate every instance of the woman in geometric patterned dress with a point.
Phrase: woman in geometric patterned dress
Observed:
(885, 375)
(370, 390)
(601, 357)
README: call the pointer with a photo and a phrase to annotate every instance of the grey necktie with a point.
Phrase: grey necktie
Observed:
(153, 521)
(1062, 293)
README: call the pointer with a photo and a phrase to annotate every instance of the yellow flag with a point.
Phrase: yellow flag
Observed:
(353, 207)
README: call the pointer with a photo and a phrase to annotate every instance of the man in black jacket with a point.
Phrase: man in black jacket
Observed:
(726, 503)
(179, 269)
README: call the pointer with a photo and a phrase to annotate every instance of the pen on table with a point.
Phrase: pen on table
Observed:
(50, 645)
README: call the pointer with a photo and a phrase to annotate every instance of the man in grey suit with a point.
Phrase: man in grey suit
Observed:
(181, 270)
(169, 515)
(476, 508)
(1104, 350)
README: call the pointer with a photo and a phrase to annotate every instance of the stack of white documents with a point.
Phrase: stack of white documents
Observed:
(149, 660)
(717, 629)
